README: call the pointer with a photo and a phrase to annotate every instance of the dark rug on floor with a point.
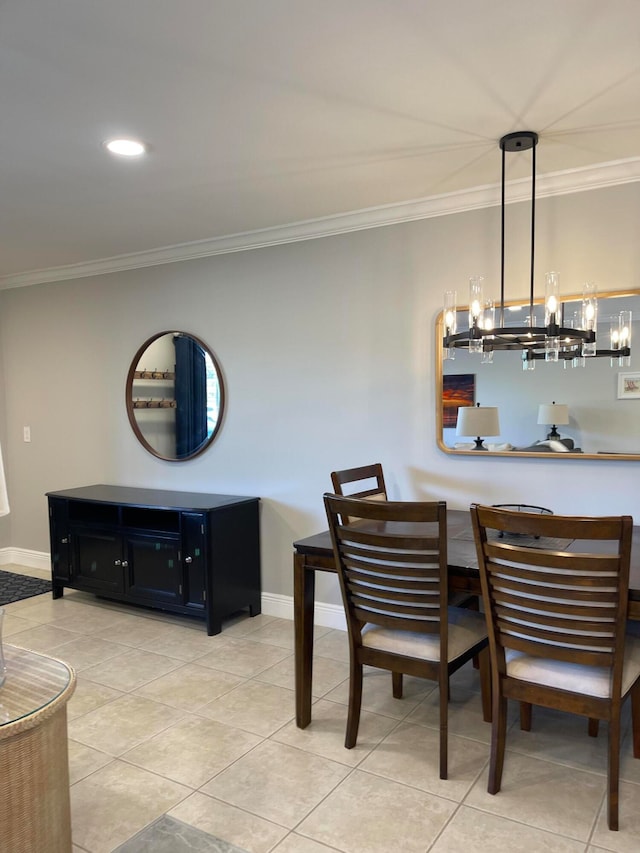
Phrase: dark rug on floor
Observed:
(168, 835)
(15, 587)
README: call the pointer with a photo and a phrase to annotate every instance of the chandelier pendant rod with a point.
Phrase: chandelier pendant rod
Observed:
(502, 207)
(518, 142)
(533, 228)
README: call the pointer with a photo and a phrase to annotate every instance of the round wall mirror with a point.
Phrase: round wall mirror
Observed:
(175, 396)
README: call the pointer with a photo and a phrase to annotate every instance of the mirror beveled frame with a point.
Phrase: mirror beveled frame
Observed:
(511, 454)
(130, 402)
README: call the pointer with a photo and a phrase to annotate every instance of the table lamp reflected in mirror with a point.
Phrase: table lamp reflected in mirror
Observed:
(478, 421)
(555, 414)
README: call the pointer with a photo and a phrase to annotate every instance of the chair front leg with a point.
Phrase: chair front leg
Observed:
(396, 682)
(443, 689)
(498, 738)
(613, 771)
(635, 718)
(355, 702)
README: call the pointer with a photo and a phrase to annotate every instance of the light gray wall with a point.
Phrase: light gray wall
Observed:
(327, 348)
(5, 521)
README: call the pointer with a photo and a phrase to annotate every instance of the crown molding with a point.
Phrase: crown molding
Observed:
(569, 181)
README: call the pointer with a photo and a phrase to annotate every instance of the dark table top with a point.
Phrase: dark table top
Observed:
(461, 549)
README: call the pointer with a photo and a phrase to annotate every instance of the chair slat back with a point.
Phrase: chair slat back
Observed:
(544, 600)
(371, 480)
(392, 564)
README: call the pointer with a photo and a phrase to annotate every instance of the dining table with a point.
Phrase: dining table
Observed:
(315, 553)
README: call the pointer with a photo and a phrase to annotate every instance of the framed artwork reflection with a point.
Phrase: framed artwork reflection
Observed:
(457, 390)
(629, 386)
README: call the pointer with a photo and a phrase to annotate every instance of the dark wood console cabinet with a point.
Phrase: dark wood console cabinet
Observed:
(186, 553)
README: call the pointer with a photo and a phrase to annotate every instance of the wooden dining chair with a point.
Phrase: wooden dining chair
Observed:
(392, 568)
(370, 484)
(367, 483)
(557, 621)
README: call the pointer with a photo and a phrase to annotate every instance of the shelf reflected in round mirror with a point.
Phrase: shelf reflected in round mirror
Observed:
(175, 396)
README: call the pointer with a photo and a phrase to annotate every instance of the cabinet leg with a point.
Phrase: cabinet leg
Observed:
(214, 625)
(57, 590)
(255, 609)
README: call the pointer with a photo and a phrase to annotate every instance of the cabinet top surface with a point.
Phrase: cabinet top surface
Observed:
(156, 498)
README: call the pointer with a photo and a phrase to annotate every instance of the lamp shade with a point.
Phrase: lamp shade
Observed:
(478, 421)
(553, 413)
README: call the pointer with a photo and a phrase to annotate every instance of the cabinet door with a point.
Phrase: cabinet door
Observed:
(59, 539)
(152, 567)
(96, 562)
(194, 558)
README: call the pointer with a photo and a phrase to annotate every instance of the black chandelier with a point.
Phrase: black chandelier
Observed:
(569, 340)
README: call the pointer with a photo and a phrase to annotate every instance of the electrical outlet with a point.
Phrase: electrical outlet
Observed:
(27, 433)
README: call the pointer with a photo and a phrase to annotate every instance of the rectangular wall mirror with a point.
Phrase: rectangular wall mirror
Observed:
(599, 403)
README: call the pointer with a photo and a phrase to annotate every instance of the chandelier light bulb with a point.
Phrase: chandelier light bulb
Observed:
(551, 306)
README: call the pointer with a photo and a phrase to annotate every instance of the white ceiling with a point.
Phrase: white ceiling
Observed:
(262, 113)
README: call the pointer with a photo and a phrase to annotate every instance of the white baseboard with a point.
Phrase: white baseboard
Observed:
(326, 615)
(23, 557)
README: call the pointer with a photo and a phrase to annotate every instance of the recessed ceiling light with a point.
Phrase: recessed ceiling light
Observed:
(125, 147)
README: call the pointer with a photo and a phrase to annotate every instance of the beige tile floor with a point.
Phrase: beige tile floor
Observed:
(168, 720)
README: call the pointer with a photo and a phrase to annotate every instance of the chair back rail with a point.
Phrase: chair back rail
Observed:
(560, 526)
(362, 474)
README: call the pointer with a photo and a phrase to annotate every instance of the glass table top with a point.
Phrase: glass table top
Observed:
(33, 681)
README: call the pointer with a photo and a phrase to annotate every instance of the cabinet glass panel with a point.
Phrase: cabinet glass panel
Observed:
(97, 560)
(193, 538)
(153, 568)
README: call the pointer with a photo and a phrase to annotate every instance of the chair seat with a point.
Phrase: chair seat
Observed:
(577, 678)
(381, 496)
(466, 628)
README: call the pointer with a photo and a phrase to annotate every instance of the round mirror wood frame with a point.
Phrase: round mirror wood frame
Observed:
(175, 396)
(605, 307)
